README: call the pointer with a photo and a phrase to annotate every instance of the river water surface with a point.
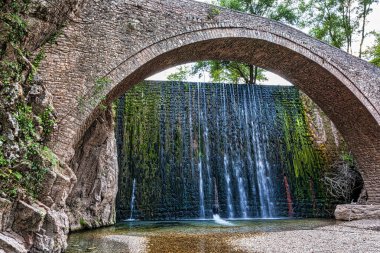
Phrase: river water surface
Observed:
(183, 236)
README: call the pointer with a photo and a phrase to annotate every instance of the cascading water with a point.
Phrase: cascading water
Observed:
(133, 198)
(200, 166)
(227, 176)
(182, 139)
(236, 160)
(259, 141)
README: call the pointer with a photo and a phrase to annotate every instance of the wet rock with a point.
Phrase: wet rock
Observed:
(357, 212)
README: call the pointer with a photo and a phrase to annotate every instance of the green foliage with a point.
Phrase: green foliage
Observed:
(285, 11)
(326, 22)
(213, 12)
(298, 153)
(15, 27)
(100, 85)
(47, 121)
(26, 123)
(348, 159)
(3, 161)
(373, 53)
(181, 75)
(35, 64)
(10, 71)
(141, 143)
(15, 6)
(338, 22)
(22, 169)
(84, 223)
(227, 71)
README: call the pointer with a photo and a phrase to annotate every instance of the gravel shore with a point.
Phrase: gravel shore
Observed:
(355, 236)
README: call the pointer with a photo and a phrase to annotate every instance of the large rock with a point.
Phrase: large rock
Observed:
(28, 218)
(5, 208)
(53, 236)
(11, 243)
(357, 212)
(38, 225)
(92, 201)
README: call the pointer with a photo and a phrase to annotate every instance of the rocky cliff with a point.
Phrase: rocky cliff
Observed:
(92, 201)
(34, 184)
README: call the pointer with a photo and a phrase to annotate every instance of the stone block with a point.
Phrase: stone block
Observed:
(357, 212)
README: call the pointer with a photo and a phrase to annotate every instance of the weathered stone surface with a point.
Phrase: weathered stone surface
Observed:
(357, 212)
(11, 243)
(39, 98)
(39, 226)
(28, 218)
(53, 236)
(5, 208)
(92, 201)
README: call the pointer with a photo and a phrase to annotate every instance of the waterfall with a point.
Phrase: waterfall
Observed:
(206, 143)
(200, 168)
(262, 166)
(237, 162)
(133, 198)
(225, 157)
(181, 140)
(247, 126)
(191, 134)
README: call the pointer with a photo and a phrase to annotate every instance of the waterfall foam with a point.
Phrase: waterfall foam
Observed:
(220, 221)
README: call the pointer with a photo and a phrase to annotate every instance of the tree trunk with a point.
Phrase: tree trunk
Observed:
(251, 74)
(363, 30)
(256, 72)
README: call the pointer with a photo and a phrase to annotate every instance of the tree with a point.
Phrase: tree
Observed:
(325, 23)
(364, 9)
(373, 53)
(181, 75)
(229, 71)
(339, 22)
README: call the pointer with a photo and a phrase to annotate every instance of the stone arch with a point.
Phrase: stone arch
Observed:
(346, 88)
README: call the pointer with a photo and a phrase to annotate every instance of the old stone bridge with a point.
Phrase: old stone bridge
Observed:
(121, 42)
